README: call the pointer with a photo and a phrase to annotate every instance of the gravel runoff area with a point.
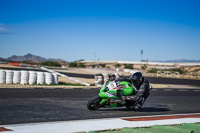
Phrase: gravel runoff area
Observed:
(90, 81)
(65, 80)
(87, 80)
(65, 86)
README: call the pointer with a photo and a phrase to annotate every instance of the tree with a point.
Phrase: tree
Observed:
(81, 65)
(73, 64)
(117, 65)
(128, 66)
(51, 63)
(144, 67)
(103, 65)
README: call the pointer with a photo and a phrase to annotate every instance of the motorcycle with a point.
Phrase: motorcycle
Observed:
(110, 95)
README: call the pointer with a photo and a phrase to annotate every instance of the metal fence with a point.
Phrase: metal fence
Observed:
(167, 74)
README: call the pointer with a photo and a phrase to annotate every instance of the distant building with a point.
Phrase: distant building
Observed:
(3, 61)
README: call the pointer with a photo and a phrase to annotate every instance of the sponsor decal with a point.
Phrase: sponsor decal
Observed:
(109, 94)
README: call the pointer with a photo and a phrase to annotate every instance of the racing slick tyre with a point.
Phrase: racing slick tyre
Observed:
(131, 107)
(94, 103)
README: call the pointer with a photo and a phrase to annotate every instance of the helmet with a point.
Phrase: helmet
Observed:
(136, 78)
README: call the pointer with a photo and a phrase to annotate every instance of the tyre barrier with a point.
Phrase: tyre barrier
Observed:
(9, 76)
(100, 79)
(2, 77)
(27, 77)
(48, 78)
(24, 77)
(16, 77)
(32, 77)
(40, 78)
(55, 78)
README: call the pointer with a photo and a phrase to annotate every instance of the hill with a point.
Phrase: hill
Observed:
(30, 57)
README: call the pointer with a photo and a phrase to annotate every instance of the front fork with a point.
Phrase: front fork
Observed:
(103, 101)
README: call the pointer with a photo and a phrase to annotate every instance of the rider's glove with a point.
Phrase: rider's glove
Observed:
(117, 83)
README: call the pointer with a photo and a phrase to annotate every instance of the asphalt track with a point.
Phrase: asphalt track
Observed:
(44, 105)
(154, 80)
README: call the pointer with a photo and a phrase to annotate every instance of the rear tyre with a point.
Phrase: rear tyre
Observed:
(133, 106)
(130, 105)
(94, 103)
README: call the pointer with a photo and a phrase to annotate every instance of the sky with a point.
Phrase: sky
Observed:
(101, 29)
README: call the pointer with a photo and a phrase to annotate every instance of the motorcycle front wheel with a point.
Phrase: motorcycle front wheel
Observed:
(94, 103)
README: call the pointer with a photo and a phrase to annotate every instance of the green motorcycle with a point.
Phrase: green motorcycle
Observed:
(111, 96)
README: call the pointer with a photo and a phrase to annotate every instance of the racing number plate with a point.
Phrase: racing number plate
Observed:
(112, 85)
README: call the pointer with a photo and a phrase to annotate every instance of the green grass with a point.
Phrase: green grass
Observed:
(196, 70)
(153, 70)
(180, 128)
(51, 63)
(60, 83)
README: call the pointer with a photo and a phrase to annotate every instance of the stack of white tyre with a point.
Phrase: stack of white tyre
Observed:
(48, 78)
(16, 77)
(55, 78)
(24, 77)
(99, 80)
(2, 77)
(27, 77)
(40, 78)
(32, 77)
(9, 76)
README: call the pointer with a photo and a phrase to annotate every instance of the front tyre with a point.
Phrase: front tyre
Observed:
(94, 103)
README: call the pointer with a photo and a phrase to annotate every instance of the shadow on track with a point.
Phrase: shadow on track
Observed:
(154, 109)
(144, 109)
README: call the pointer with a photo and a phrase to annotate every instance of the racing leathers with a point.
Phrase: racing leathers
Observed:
(142, 92)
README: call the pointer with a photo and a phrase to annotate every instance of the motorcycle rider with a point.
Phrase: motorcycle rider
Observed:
(142, 88)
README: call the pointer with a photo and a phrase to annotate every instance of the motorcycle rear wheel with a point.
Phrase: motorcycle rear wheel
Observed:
(94, 103)
(130, 105)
